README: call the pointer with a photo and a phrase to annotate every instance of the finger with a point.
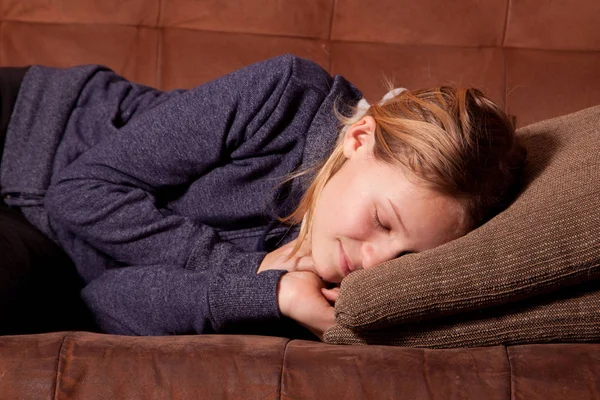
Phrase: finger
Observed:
(331, 294)
(336, 290)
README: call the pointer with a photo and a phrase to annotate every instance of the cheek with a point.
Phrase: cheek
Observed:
(329, 208)
(344, 210)
(353, 219)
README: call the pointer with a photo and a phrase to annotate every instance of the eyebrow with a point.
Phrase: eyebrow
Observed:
(398, 216)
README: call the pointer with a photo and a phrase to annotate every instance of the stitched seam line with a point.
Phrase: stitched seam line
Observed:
(510, 375)
(281, 371)
(1, 37)
(505, 23)
(331, 19)
(504, 55)
(159, 40)
(159, 13)
(58, 364)
(329, 46)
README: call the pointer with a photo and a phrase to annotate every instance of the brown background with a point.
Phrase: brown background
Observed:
(539, 58)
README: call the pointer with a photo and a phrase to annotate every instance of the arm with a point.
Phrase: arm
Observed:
(107, 199)
(108, 196)
(136, 301)
(168, 299)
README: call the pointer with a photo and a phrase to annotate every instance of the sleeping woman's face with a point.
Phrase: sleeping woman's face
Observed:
(369, 212)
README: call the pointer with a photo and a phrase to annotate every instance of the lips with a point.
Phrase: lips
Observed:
(345, 265)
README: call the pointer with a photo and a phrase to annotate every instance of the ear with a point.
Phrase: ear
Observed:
(360, 136)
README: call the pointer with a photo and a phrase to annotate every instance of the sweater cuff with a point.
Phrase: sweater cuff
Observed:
(242, 299)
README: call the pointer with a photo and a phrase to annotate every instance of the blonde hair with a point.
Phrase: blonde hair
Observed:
(454, 140)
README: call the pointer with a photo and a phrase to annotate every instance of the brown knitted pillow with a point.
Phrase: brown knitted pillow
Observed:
(569, 315)
(549, 238)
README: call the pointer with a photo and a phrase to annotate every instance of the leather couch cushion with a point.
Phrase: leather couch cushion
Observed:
(79, 365)
(548, 239)
(28, 365)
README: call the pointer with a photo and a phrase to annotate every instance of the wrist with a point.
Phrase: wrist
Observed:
(283, 295)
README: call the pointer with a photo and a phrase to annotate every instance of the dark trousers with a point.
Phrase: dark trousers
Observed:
(10, 81)
(39, 286)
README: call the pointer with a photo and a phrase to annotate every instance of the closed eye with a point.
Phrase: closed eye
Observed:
(378, 223)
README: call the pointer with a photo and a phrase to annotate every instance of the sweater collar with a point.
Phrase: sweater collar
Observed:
(320, 140)
(325, 127)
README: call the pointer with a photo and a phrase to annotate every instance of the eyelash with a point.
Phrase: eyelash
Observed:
(378, 222)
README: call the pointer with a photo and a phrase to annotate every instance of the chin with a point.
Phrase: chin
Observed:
(331, 277)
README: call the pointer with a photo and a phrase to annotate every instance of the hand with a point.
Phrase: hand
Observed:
(280, 258)
(303, 297)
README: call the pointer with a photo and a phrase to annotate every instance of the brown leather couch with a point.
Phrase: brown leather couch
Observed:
(92, 366)
(539, 59)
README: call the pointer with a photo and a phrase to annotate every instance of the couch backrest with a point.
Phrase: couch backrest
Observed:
(539, 58)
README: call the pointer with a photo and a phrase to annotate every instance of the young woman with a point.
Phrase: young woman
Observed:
(240, 202)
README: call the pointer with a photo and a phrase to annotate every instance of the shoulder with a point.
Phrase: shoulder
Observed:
(310, 73)
(301, 71)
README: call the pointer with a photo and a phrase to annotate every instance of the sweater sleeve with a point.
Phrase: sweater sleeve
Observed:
(107, 199)
(164, 300)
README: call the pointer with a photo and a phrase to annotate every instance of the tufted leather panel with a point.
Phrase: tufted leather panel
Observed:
(538, 58)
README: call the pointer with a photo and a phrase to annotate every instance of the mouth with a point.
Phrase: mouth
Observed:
(345, 265)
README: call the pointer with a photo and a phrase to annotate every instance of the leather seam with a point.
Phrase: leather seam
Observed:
(504, 55)
(281, 370)
(510, 375)
(58, 364)
(159, 46)
(328, 44)
(507, 15)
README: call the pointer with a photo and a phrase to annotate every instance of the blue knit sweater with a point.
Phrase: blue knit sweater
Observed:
(164, 199)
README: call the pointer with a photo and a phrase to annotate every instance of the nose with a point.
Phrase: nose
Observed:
(380, 251)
